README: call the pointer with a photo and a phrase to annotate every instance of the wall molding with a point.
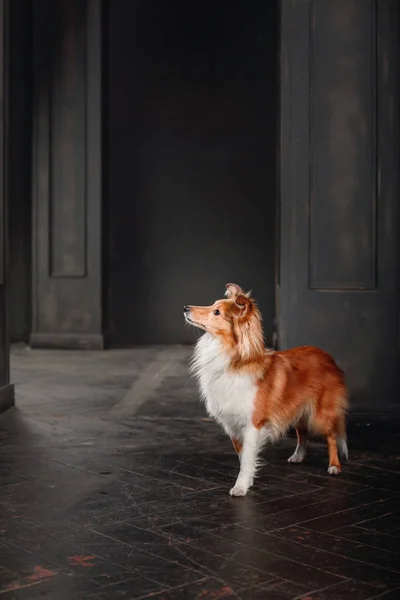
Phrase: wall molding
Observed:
(67, 174)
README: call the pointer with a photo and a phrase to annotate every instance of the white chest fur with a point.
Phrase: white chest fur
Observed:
(229, 397)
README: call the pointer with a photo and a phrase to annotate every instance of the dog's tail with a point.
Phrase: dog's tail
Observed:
(341, 439)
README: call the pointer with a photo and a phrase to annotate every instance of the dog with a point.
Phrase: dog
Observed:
(256, 393)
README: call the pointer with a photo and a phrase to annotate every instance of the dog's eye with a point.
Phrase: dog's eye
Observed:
(216, 312)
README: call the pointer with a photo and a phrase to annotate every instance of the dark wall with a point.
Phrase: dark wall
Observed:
(4, 350)
(19, 172)
(67, 174)
(340, 217)
(191, 128)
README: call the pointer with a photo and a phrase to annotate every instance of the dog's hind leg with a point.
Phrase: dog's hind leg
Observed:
(302, 439)
(334, 464)
(238, 447)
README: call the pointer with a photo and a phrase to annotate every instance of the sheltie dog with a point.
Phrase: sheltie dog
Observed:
(256, 394)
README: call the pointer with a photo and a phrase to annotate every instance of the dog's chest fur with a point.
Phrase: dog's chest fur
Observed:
(229, 397)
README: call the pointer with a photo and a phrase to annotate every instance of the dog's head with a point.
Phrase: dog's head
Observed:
(220, 317)
(235, 319)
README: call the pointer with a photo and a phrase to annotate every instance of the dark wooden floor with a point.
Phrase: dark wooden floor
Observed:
(114, 484)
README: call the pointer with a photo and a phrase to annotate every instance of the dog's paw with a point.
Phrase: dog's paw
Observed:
(239, 490)
(334, 470)
(296, 458)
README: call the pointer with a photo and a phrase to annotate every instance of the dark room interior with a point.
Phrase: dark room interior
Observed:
(151, 152)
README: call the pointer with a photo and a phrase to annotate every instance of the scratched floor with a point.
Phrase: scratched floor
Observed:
(113, 484)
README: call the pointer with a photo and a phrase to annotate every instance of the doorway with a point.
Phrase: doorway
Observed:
(192, 161)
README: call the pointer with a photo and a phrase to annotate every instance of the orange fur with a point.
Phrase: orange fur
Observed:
(237, 445)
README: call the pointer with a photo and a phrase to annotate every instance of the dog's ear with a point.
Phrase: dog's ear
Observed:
(244, 303)
(232, 290)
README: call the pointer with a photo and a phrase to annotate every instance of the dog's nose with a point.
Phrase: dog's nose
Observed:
(186, 309)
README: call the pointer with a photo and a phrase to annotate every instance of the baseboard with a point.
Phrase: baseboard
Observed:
(7, 397)
(383, 412)
(67, 341)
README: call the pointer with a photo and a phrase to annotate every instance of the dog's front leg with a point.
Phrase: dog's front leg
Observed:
(238, 446)
(235, 439)
(248, 462)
